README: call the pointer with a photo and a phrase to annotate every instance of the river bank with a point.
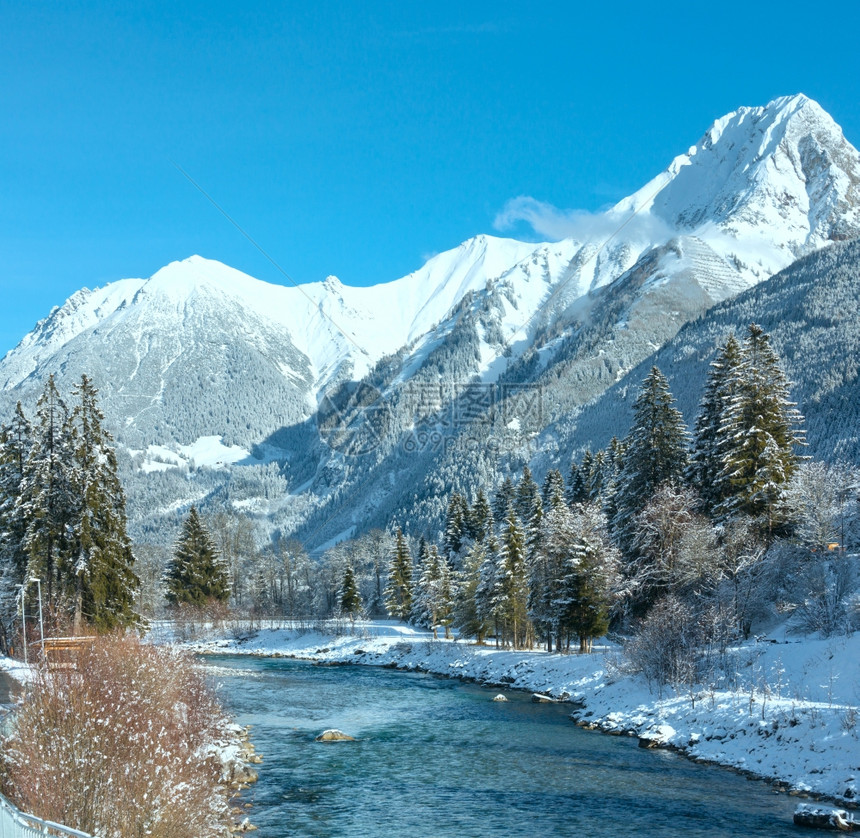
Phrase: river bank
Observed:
(785, 709)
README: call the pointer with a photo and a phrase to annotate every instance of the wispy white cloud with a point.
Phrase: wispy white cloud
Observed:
(549, 222)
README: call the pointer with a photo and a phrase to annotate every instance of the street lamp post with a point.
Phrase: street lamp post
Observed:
(41, 622)
(24, 620)
(24, 587)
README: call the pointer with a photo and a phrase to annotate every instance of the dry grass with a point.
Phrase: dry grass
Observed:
(118, 747)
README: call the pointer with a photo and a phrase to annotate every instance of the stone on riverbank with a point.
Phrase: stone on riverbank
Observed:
(821, 817)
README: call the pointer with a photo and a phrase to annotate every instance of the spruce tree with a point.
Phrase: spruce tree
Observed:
(15, 444)
(104, 582)
(545, 573)
(456, 525)
(48, 502)
(480, 517)
(705, 470)
(760, 431)
(553, 490)
(575, 490)
(655, 452)
(512, 592)
(398, 592)
(467, 615)
(590, 577)
(350, 598)
(196, 575)
(527, 495)
(504, 499)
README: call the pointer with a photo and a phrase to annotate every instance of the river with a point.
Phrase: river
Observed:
(437, 757)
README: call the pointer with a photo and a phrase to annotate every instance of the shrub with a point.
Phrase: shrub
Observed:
(665, 649)
(120, 746)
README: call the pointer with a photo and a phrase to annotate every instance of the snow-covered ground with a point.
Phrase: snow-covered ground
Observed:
(789, 711)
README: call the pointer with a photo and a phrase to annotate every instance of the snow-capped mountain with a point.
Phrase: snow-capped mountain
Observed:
(203, 365)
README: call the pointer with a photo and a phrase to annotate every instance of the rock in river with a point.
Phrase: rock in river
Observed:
(334, 735)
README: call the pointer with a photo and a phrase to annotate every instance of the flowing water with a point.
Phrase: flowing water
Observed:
(438, 757)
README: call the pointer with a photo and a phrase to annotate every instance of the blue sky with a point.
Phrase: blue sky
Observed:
(358, 139)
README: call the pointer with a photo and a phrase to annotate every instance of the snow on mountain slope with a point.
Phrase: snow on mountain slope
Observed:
(201, 351)
(763, 186)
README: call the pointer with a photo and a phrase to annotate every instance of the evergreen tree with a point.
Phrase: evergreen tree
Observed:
(104, 581)
(760, 430)
(468, 615)
(655, 452)
(15, 444)
(590, 577)
(480, 518)
(553, 490)
(512, 591)
(196, 575)
(596, 477)
(398, 593)
(545, 574)
(489, 593)
(456, 525)
(528, 495)
(48, 502)
(504, 499)
(433, 599)
(575, 491)
(417, 612)
(705, 470)
(350, 598)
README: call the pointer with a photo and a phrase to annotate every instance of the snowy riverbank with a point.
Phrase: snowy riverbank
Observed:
(789, 711)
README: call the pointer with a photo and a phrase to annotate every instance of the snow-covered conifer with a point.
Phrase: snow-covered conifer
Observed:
(705, 469)
(398, 592)
(655, 452)
(104, 582)
(15, 444)
(760, 431)
(350, 598)
(196, 574)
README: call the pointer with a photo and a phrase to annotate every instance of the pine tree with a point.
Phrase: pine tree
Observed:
(456, 525)
(15, 444)
(104, 581)
(433, 597)
(196, 575)
(575, 490)
(596, 477)
(527, 493)
(705, 470)
(48, 502)
(760, 430)
(512, 592)
(590, 577)
(504, 499)
(350, 598)
(553, 490)
(480, 518)
(398, 593)
(418, 607)
(489, 593)
(655, 452)
(468, 616)
(545, 574)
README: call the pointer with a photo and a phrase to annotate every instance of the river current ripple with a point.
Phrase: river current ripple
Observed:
(437, 757)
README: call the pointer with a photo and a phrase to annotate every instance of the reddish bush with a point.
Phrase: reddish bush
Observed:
(120, 746)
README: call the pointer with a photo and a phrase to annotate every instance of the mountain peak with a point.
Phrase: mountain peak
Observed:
(786, 166)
